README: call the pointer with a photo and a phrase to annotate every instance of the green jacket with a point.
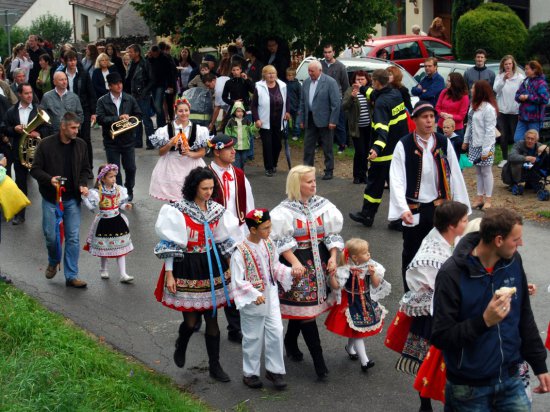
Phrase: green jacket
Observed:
(352, 107)
(247, 130)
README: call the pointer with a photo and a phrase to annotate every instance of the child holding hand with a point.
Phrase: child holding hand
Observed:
(109, 235)
(357, 286)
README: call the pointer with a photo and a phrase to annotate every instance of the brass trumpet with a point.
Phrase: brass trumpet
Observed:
(27, 144)
(122, 126)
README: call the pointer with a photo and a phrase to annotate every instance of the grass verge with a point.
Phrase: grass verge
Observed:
(46, 363)
(545, 214)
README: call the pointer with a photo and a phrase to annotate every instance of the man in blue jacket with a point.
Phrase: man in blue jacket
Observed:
(431, 85)
(484, 332)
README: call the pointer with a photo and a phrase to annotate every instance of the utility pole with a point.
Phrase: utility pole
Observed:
(7, 26)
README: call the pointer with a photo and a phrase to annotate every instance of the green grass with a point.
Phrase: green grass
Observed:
(544, 213)
(47, 364)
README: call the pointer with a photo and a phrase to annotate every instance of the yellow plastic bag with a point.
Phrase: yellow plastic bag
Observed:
(12, 199)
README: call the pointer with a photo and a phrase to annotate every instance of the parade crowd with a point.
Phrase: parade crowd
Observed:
(464, 327)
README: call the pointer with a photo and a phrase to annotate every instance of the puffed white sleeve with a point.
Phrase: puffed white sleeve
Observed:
(227, 233)
(384, 288)
(282, 273)
(123, 198)
(201, 138)
(459, 192)
(92, 200)
(243, 291)
(160, 137)
(249, 196)
(171, 228)
(333, 222)
(282, 230)
(342, 275)
(398, 184)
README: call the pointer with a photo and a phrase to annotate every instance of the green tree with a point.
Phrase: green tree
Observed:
(17, 35)
(496, 29)
(310, 22)
(52, 28)
(537, 42)
(459, 8)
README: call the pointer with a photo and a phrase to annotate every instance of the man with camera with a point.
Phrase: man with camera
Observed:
(62, 160)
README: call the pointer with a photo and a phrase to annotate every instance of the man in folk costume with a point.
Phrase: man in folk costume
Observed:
(235, 195)
(256, 269)
(423, 173)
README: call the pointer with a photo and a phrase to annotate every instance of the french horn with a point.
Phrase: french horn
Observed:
(28, 144)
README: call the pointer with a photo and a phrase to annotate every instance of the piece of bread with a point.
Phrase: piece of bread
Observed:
(506, 291)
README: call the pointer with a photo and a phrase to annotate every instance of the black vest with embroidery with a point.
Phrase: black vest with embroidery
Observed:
(190, 139)
(413, 166)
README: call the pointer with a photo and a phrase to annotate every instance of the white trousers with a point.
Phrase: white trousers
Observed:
(256, 330)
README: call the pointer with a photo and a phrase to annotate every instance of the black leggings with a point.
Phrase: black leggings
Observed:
(191, 318)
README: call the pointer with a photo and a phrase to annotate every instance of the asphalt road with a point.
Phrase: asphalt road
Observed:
(130, 319)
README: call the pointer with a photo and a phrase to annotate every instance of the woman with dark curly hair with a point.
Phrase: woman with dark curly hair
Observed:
(197, 236)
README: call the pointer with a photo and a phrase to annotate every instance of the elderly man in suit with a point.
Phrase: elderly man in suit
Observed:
(319, 111)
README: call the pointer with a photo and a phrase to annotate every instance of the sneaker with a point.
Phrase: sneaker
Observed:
(124, 278)
(76, 283)
(277, 379)
(51, 271)
(253, 381)
(502, 163)
(104, 274)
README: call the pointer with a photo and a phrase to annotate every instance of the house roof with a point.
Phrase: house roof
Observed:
(19, 6)
(109, 7)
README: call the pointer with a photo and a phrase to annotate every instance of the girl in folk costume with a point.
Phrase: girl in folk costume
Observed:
(181, 147)
(357, 286)
(109, 235)
(306, 228)
(196, 240)
(255, 271)
(450, 220)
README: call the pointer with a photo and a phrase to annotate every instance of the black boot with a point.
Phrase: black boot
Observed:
(313, 342)
(181, 344)
(291, 341)
(365, 216)
(213, 349)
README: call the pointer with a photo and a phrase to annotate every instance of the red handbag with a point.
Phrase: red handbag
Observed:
(398, 331)
(548, 338)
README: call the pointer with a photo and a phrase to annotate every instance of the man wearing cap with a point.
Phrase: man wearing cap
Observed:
(113, 107)
(235, 195)
(424, 172)
(389, 124)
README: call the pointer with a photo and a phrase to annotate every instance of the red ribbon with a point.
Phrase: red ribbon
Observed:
(226, 179)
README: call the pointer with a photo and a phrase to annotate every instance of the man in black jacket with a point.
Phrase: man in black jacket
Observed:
(161, 66)
(80, 84)
(139, 84)
(17, 118)
(62, 160)
(113, 107)
(485, 331)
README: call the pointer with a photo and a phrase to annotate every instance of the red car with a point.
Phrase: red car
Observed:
(409, 50)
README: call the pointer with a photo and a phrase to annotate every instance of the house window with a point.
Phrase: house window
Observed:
(100, 30)
(85, 28)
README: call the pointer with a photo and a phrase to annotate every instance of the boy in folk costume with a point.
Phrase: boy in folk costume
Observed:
(256, 269)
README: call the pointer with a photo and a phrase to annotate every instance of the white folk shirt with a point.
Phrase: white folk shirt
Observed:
(428, 189)
(24, 113)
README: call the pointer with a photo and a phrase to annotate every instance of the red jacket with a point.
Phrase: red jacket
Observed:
(458, 109)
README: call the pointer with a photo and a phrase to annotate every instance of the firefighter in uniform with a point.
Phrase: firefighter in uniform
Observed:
(389, 124)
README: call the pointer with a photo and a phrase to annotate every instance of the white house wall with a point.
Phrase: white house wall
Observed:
(59, 8)
(110, 31)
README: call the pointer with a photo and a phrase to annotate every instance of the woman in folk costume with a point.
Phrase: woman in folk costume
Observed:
(196, 241)
(181, 147)
(255, 274)
(358, 285)
(109, 235)
(306, 228)
(450, 220)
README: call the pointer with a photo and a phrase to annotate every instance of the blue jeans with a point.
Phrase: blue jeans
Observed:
(71, 222)
(127, 154)
(145, 106)
(295, 130)
(240, 158)
(523, 126)
(508, 396)
(158, 100)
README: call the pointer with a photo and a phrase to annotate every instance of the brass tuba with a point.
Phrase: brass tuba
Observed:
(122, 126)
(27, 144)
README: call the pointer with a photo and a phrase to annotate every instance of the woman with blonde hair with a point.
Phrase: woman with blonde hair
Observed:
(103, 66)
(269, 110)
(21, 60)
(437, 29)
(306, 229)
